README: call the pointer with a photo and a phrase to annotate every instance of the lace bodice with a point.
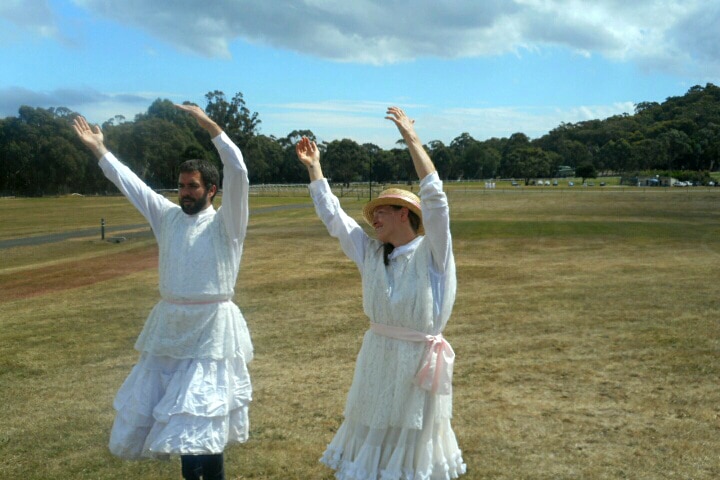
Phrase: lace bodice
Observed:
(383, 393)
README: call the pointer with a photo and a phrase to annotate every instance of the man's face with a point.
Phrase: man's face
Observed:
(192, 194)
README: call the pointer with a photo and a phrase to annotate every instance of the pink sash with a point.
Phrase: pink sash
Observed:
(436, 368)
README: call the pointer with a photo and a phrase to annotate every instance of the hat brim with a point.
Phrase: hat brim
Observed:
(395, 201)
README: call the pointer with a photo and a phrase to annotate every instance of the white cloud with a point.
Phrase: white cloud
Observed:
(698, 36)
(657, 34)
(33, 16)
(361, 121)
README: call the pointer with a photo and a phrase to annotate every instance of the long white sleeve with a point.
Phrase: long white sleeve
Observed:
(149, 203)
(436, 220)
(353, 238)
(235, 187)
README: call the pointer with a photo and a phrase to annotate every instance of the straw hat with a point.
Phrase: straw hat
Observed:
(397, 197)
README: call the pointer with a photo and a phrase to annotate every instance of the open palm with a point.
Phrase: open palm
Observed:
(307, 152)
(92, 137)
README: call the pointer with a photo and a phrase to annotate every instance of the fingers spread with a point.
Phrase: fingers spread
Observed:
(80, 123)
(396, 115)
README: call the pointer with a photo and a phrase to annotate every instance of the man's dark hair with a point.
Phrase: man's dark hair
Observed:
(208, 173)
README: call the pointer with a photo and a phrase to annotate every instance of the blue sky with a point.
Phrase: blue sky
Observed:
(490, 68)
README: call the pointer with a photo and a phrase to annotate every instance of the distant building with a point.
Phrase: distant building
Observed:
(565, 171)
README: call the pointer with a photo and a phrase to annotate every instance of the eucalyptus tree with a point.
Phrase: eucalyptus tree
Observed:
(233, 116)
(345, 160)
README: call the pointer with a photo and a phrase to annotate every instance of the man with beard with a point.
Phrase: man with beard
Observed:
(189, 393)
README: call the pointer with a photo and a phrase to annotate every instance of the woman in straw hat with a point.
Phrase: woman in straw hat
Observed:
(398, 410)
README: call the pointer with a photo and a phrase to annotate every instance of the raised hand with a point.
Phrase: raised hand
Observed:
(423, 164)
(92, 137)
(404, 124)
(307, 151)
(203, 120)
(309, 155)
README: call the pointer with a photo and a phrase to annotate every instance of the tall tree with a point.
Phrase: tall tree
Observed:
(442, 157)
(265, 160)
(615, 156)
(532, 162)
(585, 171)
(289, 170)
(345, 160)
(508, 160)
(233, 116)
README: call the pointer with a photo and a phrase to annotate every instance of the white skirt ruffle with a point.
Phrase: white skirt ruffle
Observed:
(358, 452)
(170, 406)
(204, 330)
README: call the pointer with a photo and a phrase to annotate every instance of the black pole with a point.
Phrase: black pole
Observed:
(102, 229)
(370, 181)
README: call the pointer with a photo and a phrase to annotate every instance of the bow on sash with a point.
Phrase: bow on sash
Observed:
(436, 367)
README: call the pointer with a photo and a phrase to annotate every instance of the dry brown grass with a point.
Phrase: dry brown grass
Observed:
(586, 329)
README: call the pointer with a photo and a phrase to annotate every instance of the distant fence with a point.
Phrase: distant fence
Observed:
(279, 190)
(358, 191)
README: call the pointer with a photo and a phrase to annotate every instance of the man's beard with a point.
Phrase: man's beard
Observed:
(196, 205)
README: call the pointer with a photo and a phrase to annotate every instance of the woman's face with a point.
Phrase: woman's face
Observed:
(387, 220)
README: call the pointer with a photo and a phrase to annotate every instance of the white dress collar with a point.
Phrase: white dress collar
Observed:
(406, 249)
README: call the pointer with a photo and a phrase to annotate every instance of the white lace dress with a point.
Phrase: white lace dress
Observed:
(392, 428)
(190, 390)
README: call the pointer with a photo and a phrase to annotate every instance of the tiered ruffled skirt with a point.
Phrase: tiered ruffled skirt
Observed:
(393, 430)
(361, 453)
(171, 406)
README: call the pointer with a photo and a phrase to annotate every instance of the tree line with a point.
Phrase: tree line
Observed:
(40, 154)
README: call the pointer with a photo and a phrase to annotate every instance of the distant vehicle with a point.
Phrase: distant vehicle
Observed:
(547, 183)
(591, 184)
(514, 183)
(555, 183)
(602, 184)
(571, 184)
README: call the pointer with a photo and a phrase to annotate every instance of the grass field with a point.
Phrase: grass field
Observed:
(586, 330)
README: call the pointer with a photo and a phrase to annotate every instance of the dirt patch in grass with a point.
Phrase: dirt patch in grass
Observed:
(76, 273)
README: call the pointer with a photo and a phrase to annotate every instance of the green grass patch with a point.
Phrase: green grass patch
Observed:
(489, 229)
(585, 327)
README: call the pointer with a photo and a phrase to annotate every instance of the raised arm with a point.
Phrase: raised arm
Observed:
(435, 210)
(352, 237)
(236, 185)
(149, 203)
(421, 160)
